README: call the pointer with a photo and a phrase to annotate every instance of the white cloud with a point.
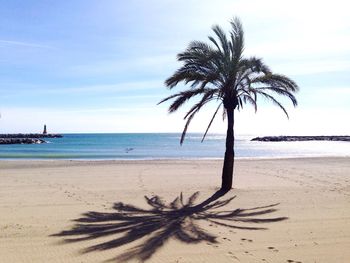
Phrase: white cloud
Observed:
(23, 44)
(267, 121)
(122, 86)
(138, 119)
(84, 90)
(130, 66)
(308, 67)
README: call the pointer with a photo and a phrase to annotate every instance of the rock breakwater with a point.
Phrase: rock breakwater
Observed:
(21, 141)
(26, 138)
(30, 135)
(301, 138)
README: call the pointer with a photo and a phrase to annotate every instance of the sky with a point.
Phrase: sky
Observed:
(100, 66)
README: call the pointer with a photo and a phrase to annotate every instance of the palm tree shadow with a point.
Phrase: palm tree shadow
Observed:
(178, 219)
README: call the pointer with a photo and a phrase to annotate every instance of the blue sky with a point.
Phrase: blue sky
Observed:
(99, 66)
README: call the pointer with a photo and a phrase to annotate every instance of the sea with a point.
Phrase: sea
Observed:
(147, 146)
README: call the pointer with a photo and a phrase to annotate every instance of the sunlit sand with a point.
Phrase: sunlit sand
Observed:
(281, 210)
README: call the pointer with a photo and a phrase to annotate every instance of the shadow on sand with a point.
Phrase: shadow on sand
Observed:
(178, 219)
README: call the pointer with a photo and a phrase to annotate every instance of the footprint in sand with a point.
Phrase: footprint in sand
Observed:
(230, 254)
(273, 249)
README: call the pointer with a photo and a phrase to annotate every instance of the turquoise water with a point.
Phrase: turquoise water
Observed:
(165, 146)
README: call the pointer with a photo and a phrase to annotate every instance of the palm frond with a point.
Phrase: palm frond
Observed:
(182, 97)
(211, 121)
(237, 39)
(280, 91)
(195, 109)
(249, 99)
(208, 96)
(253, 64)
(271, 98)
(189, 119)
(215, 43)
(218, 70)
(277, 80)
(248, 95)
(219, 32)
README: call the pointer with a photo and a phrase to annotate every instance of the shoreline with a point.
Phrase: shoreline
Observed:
(172, 159)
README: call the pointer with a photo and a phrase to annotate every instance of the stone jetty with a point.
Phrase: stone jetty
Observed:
(30, 135)
(21, 141)
(301, 138)
(26, 138)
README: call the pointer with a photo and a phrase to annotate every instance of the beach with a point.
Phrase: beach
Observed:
(280, 210)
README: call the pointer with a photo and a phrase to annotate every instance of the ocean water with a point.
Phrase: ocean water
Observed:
(165, 146)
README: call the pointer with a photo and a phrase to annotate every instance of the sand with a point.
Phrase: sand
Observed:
(281, 210)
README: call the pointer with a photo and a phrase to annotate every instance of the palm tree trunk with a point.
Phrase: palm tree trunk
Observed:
(227, 171)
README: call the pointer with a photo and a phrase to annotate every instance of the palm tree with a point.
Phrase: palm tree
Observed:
(219, 72)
